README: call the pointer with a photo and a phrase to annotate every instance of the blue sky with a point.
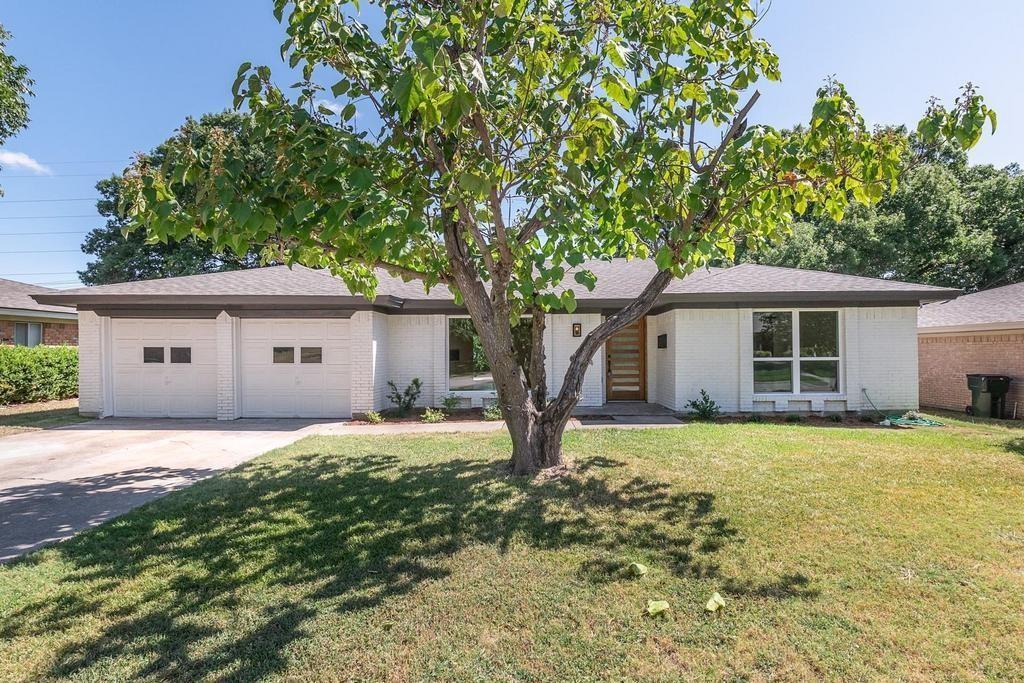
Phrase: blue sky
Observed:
(113, 78)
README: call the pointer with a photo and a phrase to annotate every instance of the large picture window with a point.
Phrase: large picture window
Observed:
(796, 352)
(468, 369)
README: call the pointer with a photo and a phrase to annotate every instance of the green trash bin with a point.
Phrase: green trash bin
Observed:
(988, 394)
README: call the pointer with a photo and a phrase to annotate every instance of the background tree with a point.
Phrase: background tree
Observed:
(947, 224)
(512, 140)
(124, 256)
(15, 89)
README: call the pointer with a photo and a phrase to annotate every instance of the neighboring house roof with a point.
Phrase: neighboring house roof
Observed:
(618, 282)
(16, 300)
(992, 309)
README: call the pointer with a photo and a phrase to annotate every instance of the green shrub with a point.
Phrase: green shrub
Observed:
(492, 413)
(405, 400)
(835, 417)
(40, 373)
(373, 417)
(704, 408)
(433, 415)
(756, 418)
(794, 417)
(451, 403)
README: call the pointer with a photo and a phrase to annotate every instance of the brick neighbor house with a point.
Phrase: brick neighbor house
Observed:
(25, 322)
(976, 333)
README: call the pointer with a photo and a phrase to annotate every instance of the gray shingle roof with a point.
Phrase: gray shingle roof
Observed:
(617, 280)
(1002, 305)
(17, 295)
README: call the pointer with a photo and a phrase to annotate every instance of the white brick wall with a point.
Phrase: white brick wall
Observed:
(560, 345)
(369, 357)
(228, 401)
(707, 350)
(661, 363)
(885, 358)
(417, 347)
(90, 365)
(713, 350)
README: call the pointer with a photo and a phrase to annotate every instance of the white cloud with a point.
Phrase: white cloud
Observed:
(335, 107)
(329, 104)
(21, 160)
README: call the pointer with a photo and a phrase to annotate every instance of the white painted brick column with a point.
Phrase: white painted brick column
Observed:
(91, 353)
(229, 405)
(363, 357)
(745, 358)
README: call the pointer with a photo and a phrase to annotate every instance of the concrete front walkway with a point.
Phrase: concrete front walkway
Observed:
(54, 483)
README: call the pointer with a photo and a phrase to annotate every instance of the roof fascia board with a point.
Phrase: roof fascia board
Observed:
(25, 313)
(1012, 326)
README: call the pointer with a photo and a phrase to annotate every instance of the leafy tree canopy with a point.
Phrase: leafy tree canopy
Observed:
(947, 224)
(123, 256)
(15, 89)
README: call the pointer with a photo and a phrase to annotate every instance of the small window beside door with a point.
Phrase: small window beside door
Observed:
(311, 354)
(284, 354)
(181, 354)
(152, 354)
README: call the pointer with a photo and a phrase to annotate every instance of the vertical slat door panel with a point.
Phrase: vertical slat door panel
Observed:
(626, 364)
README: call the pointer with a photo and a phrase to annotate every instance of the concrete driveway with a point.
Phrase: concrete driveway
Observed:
(56, 482)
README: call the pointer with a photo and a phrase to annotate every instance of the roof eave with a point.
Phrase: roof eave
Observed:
(34, 313)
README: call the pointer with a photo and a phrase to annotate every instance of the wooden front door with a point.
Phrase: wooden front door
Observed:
(626, 364)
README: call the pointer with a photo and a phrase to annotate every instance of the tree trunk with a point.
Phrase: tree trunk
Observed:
(536, 442)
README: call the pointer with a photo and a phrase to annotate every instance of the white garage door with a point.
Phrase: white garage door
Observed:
(164, 368)
(295, 368)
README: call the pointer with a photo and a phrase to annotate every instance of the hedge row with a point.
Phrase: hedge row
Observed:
(40, 373)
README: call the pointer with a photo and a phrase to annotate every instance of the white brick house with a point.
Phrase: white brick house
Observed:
(281, 342)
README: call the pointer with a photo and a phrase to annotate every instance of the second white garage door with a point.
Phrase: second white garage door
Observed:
(295, 368)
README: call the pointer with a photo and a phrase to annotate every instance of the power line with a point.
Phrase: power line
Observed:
(44, 234)
(99, 161)
(52, 175)
(37, 201)
(42, 251)
(33, 218)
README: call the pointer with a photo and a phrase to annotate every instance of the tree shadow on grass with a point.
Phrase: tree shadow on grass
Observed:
(320, 532)
(1015, 446)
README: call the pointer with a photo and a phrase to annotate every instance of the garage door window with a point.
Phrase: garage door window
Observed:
(284, 354)
(311, 354)
(181, 354)
(152, 354)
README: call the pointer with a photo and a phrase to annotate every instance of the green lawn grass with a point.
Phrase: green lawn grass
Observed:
(842, 553)
(27, 417)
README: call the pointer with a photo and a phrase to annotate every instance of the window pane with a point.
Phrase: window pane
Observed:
(21, 334)
(468, 369)
(284, 354)
(773, 335)
(181, 354)
(819, 334)
(35, 334)
(773, 376)
(311, 354)
(152, 354)
(819, 376)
